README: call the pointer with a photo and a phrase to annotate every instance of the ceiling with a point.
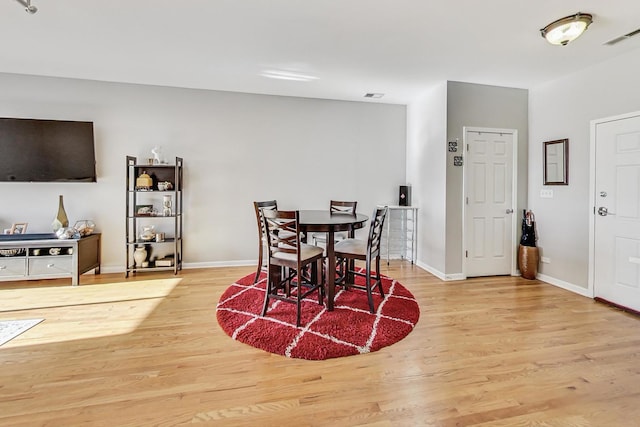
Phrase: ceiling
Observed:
(346, 47)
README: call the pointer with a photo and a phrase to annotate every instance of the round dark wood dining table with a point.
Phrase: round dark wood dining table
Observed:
(325, 221)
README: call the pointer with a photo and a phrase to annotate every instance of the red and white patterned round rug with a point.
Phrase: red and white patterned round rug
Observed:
(347, 330)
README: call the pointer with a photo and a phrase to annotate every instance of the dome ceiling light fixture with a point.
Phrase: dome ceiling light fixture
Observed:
(566, 29)
(28, 6)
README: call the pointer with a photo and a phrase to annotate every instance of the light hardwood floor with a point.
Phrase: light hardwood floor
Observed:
(147, 351)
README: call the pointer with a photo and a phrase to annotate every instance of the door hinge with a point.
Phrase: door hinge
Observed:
(467, 201)
(466, 254)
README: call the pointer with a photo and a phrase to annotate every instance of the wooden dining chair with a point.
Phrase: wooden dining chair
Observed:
(369, 251)
(262, 236)
(337, 207)
(287, 261)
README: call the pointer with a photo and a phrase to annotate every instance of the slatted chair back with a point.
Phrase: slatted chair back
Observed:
(375, 232)
(259, 207)
(282, 231)
(338, 206)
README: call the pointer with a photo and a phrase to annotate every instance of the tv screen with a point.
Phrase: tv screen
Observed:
(34, 150)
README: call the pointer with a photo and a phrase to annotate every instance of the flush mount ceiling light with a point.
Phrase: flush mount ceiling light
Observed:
(567, 29)
(27, 6)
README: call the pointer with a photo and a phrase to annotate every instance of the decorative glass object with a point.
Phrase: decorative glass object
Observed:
(148, 233)
(66, 233)
(61, 219)
(85, 227)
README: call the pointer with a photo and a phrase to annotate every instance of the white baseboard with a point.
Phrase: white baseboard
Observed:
(109, 269)
(188, 265)
(439, 274)
(565, 285)
(214, 264)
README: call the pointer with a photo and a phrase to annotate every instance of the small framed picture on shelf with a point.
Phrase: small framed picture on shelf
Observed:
(19, 228)
(144, 210)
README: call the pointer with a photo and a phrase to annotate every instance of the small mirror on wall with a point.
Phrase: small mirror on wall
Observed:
(556, 162)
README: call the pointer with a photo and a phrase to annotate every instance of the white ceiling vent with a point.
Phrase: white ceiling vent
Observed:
(373, 95)
(622, 38)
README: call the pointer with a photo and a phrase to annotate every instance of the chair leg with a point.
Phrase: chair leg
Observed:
(259, 270)
(350, 266)
(378, 276)
(267, 292)
(313, 274)
(368, 285)
(298, 300)
(287, 284)
(342, 270)
(320, 280)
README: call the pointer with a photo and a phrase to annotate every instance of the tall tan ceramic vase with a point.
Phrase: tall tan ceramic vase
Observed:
(61, 219)
(528, 258)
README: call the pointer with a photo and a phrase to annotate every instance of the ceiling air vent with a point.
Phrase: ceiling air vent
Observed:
(621, 38)
(373, 95)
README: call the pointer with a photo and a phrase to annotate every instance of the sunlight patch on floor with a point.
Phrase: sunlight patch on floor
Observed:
(72, 314)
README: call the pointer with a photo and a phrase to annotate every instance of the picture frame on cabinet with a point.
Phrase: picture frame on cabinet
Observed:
(19, 228)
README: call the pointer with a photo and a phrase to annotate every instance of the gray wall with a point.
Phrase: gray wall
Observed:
(230, 142)
(564, 108)
(481, 106)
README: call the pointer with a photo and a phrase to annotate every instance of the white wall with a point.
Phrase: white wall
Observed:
(563, 109)
(435, 118)
(426, 172)
(231, 144)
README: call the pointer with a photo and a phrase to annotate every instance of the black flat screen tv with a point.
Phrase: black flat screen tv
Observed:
(33, 150)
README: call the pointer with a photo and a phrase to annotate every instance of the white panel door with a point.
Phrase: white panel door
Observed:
(489, 248)
(617, 216)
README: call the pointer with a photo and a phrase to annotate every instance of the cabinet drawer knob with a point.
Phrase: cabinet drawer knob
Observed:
(3, 267)
(50, 265)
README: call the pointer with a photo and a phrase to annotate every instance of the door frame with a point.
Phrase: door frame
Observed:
(514, 194)
(591, 289)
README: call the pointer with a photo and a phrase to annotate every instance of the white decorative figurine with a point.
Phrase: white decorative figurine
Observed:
(157, 155)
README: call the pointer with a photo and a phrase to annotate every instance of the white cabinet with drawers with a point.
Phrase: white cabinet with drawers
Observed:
(41, 256)
(13, 268)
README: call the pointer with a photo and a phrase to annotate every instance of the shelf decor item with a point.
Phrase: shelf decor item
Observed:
(61, 219)
(165, 186)
(144, 210)
(84, 227)
(148, 233)
(144, 182)
(67, 233)
(11, 252)
(166, 203)
(140, 255)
